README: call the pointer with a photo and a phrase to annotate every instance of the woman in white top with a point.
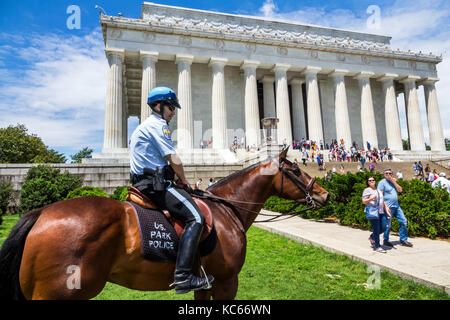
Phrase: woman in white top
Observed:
(376, 212)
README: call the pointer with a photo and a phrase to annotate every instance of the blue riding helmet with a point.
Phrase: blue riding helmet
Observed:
(163, 94)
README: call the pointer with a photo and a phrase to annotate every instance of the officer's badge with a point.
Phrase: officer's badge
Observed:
(166, 132)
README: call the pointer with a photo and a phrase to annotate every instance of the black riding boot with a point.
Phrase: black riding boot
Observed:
(185, 280)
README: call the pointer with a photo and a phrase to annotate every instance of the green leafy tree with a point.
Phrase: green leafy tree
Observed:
(120, 193)
(44, 185)
(6, 189)
(427, 209)
(86, 191)
(18, 146)
(86, 152)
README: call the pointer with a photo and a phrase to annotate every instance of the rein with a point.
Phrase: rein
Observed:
(305, 188)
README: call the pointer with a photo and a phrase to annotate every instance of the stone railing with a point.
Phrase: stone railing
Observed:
(108, 176)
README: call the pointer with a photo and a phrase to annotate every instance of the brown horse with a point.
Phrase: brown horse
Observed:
(70, 249)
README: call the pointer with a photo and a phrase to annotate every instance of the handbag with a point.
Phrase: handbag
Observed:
(373, 212)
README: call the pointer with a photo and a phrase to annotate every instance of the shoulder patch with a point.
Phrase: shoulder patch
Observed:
(166, 132)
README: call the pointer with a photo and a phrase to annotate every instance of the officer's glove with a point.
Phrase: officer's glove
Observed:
(187, 187)
(198, 192)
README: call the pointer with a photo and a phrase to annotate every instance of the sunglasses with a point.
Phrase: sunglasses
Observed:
(371, 180)
(171, 107)
(388, 173)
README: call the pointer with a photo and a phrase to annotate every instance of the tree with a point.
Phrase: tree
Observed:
(86, 152)
(18, 146)
(447, 144)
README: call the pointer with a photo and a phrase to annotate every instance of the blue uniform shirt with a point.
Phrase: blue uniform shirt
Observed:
(390, 193)
(150, 143)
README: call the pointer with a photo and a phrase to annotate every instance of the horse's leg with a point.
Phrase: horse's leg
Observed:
(203, 295)
(225, 289)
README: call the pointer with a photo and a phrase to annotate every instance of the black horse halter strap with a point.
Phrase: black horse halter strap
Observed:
(306, 189)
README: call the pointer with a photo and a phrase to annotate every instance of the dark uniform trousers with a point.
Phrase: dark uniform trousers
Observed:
(174, 199)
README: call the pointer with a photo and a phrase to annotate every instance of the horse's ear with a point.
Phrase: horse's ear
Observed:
(283, 154)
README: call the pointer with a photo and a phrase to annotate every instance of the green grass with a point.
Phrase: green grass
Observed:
(278, 268)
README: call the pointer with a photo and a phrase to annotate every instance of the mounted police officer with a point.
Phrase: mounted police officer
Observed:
(154, 162)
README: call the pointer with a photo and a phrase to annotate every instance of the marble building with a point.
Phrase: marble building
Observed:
(230, 71)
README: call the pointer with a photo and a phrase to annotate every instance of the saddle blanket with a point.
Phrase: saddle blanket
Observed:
(159, 240)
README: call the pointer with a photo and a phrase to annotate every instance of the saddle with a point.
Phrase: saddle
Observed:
(136, 196)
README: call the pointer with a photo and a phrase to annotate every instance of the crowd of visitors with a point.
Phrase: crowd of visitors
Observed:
(430, 176)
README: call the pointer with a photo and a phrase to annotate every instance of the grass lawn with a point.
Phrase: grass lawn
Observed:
(278, 268)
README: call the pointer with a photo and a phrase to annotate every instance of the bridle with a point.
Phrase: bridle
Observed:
(296, 172)
(307, 189)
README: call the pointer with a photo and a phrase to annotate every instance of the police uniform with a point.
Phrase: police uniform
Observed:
(150, 144)
(152, 175)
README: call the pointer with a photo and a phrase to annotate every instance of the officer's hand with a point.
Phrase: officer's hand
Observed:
(187, 187)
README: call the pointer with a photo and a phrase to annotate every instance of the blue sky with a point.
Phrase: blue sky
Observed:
(53, 79)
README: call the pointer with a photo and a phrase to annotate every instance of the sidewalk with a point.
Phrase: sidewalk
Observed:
(427, 263)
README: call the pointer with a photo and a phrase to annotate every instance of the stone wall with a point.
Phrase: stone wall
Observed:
(108, 176)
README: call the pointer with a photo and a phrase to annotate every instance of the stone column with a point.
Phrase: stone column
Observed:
(269, 97)
(185, 125)
(341, 109)
(298, 112)
(148, 60)
(219, 109)
(114, 108)
(369, 129)
(315, 128)
(391, 118)
(282, 98)
(437, 141)
(252, 133)
(416, 136)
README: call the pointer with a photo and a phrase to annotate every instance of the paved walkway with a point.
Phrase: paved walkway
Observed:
(427, 263)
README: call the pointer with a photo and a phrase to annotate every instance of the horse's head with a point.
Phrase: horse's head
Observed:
(290, 182)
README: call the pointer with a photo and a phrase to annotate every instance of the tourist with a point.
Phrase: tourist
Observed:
(363, 161)
(198, 184)
(442, 181)
(399, 174)
(304, 157)
(430, 178)
(377, 213)
(420, 168)
(390, 188)
(211, 181)
(416, 169)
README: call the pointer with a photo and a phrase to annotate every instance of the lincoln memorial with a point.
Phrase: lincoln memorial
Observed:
(231, 71)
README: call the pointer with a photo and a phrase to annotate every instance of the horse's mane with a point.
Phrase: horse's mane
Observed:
(226, 179)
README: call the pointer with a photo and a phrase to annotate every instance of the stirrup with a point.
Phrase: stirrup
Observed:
(208, 283)
(208, 286)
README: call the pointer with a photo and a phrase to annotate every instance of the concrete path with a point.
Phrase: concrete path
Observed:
(427, 262)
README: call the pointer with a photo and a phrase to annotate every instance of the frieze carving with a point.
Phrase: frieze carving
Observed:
(185, 41)
(282, 51)
(250, 47)
(197, 22)
(116, 34)
(314, 54)
(148, 36)
(219, 44)
(340, 57)
(412, 65)
(244, 28)
(365, 59)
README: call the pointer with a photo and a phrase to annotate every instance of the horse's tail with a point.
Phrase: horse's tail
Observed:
(11, 256)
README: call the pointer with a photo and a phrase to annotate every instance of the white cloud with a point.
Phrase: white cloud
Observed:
(56, 88)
